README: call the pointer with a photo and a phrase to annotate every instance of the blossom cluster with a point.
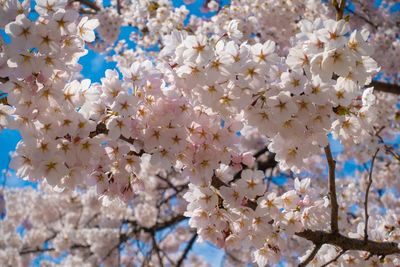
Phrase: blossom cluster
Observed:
(93, 233)
(294, 101)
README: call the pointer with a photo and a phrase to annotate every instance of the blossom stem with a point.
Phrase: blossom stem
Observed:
(366, 196)
(311, 256)
(339, 8)
(335, 258)
(92, 5)
(332, 190)
(347, 243)
(187, 249)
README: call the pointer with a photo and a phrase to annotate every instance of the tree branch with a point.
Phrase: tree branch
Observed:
(386, 87)
(42, 250)
(339, 8)
(311, 256)
(269, 163)
(161, 226)
(347, 243)
(334, 259)
(90, 4)
(358, 15)
(119, 7)
(186, 251)
(332, 190)
(157, 249)
(366, 196)
(388, 148)
(38, 250)
(122, 239)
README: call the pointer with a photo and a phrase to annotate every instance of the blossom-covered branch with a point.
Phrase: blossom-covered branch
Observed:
(332, 190)
(380, 249)
(206, 130)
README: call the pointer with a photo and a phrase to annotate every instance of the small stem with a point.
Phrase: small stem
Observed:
(366, 196)
(334, 259)
(119, 7)
(311, 256)
(392, 88)
(89, 4)
(361, 17)
(157, 249)
(332, 190)
(186, 251)
(340, 9)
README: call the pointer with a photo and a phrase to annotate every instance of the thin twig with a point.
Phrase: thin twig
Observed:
(339, 8)
(388, 148)
(348, 243)
(186, 251)
(157, 249)
(119, 7)
(386, 87)
(367, 194)
(122, 239)
(90, 4)
(334, 259)
(332, 190)
(269, 179)
(311, 256)
(355, 13)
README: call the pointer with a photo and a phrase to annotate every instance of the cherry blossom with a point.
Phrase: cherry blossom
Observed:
(231, 130)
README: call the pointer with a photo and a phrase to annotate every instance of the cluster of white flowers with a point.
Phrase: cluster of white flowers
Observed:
(243, 216)
(39, 61)
(95, 234)
(295, 104)
(153, 19)
(109, 24)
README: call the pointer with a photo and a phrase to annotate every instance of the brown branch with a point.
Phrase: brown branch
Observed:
(386, 87)
(157, 249)
(43, 250)
(122, 239)
(187, 250)
(367, 194)
(261, 152)
(167, 181)
(87, 11)
(270, 163)
(119, 7)
(38, 250)
(332, 190)
(311, 256)
(347, 243)
(390, 151)
(388, 148)
(263, 165)
(177, 192)
(358, 15)
(162, 225)
(90, 4)
(334, 259)
(339, 8)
